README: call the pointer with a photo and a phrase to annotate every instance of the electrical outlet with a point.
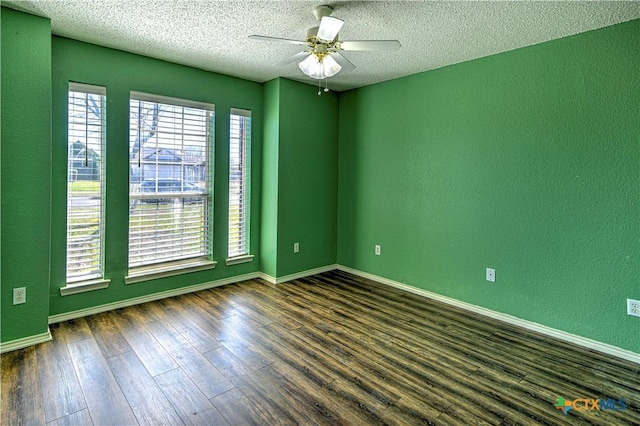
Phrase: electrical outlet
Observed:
(633, 307)
(296, 247)
(377, 250)
(491, 275)
(19, 295)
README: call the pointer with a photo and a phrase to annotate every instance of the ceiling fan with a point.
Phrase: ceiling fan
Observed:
(321, 57)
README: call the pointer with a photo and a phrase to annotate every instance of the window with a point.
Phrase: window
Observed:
(85, 182)
(239, 182)
(170, 141)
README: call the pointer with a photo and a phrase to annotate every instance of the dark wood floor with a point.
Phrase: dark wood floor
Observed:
(329, 349)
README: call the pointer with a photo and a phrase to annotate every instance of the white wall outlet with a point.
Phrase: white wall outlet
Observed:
(377, 250)
(491, 275)
(633, 307)
(296, 247)
(19, 295)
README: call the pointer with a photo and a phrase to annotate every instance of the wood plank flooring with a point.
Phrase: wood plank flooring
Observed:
(324, 350)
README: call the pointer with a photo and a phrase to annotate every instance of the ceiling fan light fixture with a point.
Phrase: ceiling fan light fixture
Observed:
(329, 28)
(322, 49)
(331, 67)
(319, 67)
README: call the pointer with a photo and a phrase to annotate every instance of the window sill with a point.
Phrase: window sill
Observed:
(84, 286)
(239, 259)
(168, 270)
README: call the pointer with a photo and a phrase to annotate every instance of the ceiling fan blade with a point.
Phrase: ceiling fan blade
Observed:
(370, 45)
(329, 28)
(279, 40)
(342, 61)
(295, 58)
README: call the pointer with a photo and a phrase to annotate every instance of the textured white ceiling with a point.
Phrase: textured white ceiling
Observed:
(212, 35)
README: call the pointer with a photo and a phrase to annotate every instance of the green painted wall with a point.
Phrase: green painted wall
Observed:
(300, 180)
(269, 212)
(527, 162)
(120, 73)
(308, 178)
(25, 95)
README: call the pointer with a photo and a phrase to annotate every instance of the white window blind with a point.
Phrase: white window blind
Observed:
(85, 182)
(169, 194)
(239, 182)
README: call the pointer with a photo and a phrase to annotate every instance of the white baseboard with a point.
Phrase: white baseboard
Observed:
(184, 290)
(13, 345)
(529, 325)
(307, 273)
(150, 297)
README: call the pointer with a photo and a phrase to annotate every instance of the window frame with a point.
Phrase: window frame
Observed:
(94, 280)
(238, 251)
(176, 264)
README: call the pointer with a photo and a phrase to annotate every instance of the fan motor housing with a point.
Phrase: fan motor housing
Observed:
(323, 10)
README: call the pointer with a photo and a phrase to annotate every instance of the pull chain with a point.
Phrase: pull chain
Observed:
(326, 89)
